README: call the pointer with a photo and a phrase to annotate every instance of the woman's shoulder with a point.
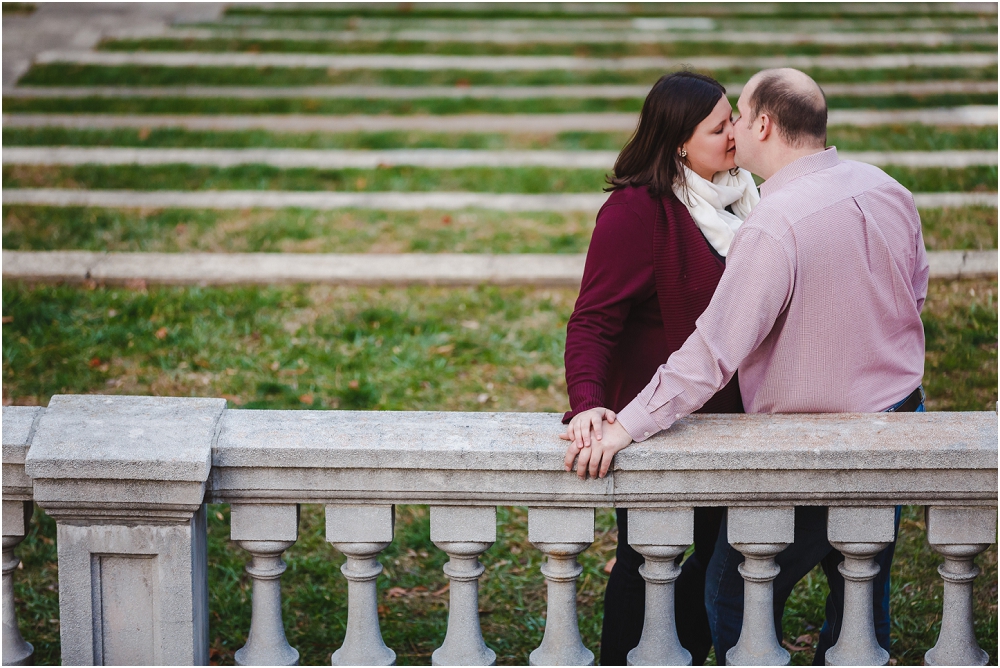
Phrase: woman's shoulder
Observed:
(630, 202)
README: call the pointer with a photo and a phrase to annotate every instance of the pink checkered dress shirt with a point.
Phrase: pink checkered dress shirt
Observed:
(819, 306)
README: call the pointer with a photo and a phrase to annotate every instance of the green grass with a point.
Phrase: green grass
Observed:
(301, 347)
(879, 138)
(66, 74)
(413, 179)
(365, 231)
(775, 11)
(14, 8)
(432, 106)
(581, 48)
(351, 231)
(960, 326)
(259, 177)
(965, 228)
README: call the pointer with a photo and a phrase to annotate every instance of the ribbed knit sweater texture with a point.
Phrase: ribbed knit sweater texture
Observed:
(649, 274)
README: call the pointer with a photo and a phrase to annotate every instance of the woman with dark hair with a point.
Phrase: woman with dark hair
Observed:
(656, 256)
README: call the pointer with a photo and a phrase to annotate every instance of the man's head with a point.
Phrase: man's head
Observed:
(782, 118)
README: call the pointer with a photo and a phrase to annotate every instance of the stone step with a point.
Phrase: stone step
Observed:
(550, 36)
(357, 269)
(972, 115)
(506, 63)
(387, 201)
(431, 158)
(609, 92)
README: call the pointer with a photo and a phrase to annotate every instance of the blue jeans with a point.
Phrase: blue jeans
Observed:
(724, 584)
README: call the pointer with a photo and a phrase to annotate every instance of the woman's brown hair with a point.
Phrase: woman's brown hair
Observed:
(675, 106)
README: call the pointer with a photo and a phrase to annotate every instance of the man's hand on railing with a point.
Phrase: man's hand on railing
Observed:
(595, 437)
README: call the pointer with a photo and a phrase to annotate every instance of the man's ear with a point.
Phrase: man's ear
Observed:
(763, 127)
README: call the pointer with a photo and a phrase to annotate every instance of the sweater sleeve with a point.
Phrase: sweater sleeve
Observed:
(617, 274)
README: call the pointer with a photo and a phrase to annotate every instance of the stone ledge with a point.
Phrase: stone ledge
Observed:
(93, 437)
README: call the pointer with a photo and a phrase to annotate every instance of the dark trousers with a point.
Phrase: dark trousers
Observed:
(625, 597)
(724, 584)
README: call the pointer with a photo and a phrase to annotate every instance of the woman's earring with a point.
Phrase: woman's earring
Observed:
(684, 153)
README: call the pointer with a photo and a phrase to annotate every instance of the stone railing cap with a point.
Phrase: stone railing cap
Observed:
(124, 437)
(17, 423)
(529, 441)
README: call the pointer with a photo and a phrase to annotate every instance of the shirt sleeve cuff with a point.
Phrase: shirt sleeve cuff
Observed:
(637, 422)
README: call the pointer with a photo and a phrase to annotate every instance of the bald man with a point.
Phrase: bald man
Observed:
(818, 308)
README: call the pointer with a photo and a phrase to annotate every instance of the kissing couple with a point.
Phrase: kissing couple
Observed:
(701, 295)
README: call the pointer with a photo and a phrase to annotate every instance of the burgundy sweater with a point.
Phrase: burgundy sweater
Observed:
(649, 274)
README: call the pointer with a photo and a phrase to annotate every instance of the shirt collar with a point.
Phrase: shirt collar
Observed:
(805, 165)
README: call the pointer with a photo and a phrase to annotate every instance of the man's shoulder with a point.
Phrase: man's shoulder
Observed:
(819, 190)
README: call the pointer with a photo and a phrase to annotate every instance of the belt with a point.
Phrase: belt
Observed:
(911, 404)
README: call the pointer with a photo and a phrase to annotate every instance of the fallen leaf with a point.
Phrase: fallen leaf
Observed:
(805, 639)
(446, 220)
(794, 648)
(354, 384)
(306, 399)
(396, 592)
(442, 590)
(219, 516)
(161, 333)
(94, 362)
(144, 133)
(611, 564)
(483, 398)
(419, 589)
(445, 349)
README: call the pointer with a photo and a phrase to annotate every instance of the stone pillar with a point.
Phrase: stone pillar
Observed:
(464, 533)
(859, 533)
(265, 531)
(759, 534)
(16, 515)
(361, 532)
(18, 422)
(561, 533)
(958, 534)
(660, 536)
(124, 478)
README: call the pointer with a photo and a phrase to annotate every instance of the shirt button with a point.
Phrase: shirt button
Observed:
(677, 417)
(645, 433)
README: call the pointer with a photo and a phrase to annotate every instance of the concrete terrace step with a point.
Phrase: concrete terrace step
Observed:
(549, 36)
(505, 63)
(610, 92)
(972, 115)
(357, 269)
(386, 201)
(432, 158)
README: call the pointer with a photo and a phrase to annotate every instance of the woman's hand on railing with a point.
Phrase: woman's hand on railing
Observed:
(584, 428)
(595, 437)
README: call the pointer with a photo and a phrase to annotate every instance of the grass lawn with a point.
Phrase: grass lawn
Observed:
(66, 74)
(776, 11)
(879, 138)
(410, 348)
(433, 106)
(580, 49)
(366, 231)
(414, 179)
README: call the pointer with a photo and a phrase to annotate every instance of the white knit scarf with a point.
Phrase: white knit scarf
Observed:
(707, 202)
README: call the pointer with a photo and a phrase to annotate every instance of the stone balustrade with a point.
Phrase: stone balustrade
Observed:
(127, 479)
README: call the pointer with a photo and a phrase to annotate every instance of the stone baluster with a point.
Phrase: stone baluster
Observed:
(16, 515)
(562, 534)
(759, 534)
(660, 536)
(958, 534)
(859, 534)
(464, 533)
(361, 532)
(265, 531)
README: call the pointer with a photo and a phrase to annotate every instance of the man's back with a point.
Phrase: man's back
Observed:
(850, 338)
(818, 308)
